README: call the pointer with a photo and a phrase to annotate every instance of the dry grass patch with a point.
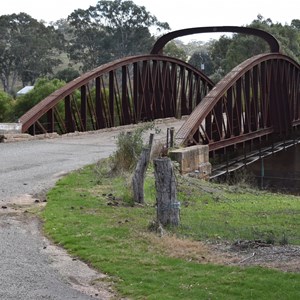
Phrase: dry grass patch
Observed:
(186, 249)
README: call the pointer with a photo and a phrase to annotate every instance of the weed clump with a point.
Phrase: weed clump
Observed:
(129, 148)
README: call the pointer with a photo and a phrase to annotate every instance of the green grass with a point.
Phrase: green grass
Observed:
(112, 236)
(240, 213)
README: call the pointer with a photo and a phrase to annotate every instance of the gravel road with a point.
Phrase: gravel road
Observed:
(31, 267)
(32, 166)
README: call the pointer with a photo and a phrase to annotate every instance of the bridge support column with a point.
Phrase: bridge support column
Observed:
(194, 159)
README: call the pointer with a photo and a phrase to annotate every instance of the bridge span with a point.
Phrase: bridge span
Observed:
(256, 104)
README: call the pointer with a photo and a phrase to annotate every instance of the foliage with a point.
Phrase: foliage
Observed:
(288, 36)
(67, 74)
(295, 24)
(94, 224)
(243, 47)
(195, 46)
(28, 50)
(110, 30)
(42, 88)
(228, 52)
(6, 102)
(218, 51)
(202, 61)
(173, 50)
(129, 148)
(63, 27)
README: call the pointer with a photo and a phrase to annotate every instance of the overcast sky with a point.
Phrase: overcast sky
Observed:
(179, 14)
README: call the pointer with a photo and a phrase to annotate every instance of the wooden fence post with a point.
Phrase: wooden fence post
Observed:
(140, 171)
(167, 205)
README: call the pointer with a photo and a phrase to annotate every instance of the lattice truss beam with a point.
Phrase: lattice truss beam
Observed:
(259, 97)
(126, 91)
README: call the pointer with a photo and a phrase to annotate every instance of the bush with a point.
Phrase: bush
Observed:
(129, 149)
(6, 103)
(67, 74)
(42, 89)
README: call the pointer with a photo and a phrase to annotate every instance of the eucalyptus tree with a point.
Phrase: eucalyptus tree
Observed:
(111, 30)
(28, 50)
(228, 52)
(175, 49)
(201, 59)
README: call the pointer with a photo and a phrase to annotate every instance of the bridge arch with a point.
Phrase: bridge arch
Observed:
(162, 41)
(125, 91)
(258, 98)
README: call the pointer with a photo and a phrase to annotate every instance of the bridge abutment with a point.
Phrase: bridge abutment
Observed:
(194, 159)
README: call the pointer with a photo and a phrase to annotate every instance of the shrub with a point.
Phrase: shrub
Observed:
(129, 148)
(42, 88)
(6, 103)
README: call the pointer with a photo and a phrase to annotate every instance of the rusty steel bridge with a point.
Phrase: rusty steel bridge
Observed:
(257, 102)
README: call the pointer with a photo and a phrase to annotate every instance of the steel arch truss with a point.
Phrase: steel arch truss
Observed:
(125, 91)
(259, 97)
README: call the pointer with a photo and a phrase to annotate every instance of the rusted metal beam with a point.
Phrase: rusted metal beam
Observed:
(239, 139)
(163, 40)
(249, 99)
(34, 114)
(83, 111)
(68, 115)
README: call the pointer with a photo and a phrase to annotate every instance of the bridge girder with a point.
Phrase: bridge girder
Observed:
(256, 99)
(259, 97)
(126, 91)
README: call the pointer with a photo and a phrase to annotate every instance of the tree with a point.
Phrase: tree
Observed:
(218, 50)
(242, 47)
(288, 36)
(110, 30)
(194, 46)
(226, 53)
(6, 102)
(67, 74)
(174, 50)
(62, 26)
(295, 23)
(202, 61)
(28, 50)
(42, 88)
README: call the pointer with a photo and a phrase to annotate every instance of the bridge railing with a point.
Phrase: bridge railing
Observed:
(126, 91)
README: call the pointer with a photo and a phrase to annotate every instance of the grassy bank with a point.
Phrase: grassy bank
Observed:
(90, 214)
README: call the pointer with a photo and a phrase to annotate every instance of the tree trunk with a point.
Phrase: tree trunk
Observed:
(167, 205)
(139, 173)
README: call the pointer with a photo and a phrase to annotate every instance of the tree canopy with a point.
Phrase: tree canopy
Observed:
(111, 30)
(42, 88)
(6, 102)
(227, 52)
(28, 50)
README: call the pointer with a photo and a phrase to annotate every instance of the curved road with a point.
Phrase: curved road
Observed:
(31, 267)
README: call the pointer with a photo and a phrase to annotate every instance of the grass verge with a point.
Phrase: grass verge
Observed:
(92, 217)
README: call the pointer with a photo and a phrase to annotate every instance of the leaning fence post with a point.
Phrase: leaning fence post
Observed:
(140, 171)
